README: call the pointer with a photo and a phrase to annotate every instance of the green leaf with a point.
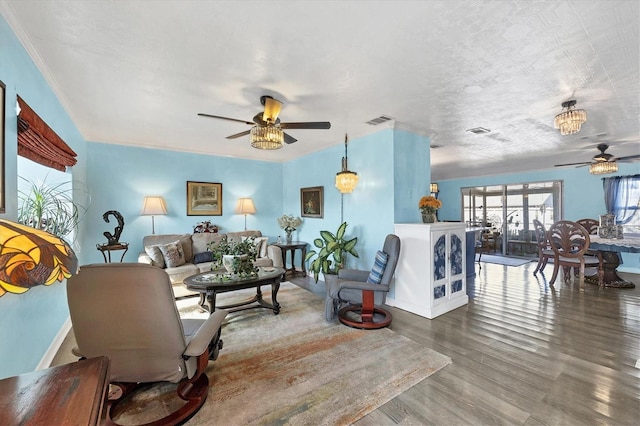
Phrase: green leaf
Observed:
(309, 255)
(318, 242)
(349, 245)
(327, 236)
(332, 246)
(341, 230)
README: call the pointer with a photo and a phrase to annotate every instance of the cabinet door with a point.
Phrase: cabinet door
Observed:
(456, 262)
(440, 266)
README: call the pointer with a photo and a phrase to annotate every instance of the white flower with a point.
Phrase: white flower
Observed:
(289, 222)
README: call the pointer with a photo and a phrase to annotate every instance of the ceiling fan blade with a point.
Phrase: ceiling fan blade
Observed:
(307, 125)
(584, 163)
(201, 114)
(289, 139)
(272, 108)
(628, 158)
(238, 135)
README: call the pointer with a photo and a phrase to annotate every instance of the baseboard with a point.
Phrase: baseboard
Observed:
(54, 347)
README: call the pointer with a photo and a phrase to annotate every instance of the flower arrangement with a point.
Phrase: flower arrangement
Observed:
(289, 223)
(429, 204)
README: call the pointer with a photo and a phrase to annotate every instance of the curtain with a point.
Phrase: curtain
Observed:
(621, 196)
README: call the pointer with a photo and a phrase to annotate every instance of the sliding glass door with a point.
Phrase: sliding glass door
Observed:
(508, 212)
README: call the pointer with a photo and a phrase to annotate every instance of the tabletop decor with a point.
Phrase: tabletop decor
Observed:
(235, 256)
(428, 206)
(289, 223)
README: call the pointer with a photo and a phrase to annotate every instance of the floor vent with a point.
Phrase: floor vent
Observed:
(379, 120)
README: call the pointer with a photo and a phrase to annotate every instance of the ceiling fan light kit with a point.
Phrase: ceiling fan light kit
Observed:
(603, 167)
(569, 121)
(346, 180)
(268, 138)
(267, 131)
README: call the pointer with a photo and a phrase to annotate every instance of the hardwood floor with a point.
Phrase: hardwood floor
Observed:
(524, 353)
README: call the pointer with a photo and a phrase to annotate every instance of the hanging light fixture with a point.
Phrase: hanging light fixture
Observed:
(569, 121)
(603, 167)
(267, 137)
(346, 180)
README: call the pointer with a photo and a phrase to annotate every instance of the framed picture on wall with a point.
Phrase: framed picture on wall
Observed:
(204, 199)
(312, 201)
(2, 90)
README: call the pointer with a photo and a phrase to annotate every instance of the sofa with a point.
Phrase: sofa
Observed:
(160, 250)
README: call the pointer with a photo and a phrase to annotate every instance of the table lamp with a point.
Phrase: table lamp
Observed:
(31, 257)
(153, 206)
(245, 206)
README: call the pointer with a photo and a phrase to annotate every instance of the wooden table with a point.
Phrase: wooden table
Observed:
(610, 249)
(109, 248)
(208, 284)
(292, 247)
(70, 394)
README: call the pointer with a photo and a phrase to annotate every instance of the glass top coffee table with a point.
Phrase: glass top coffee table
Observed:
(208, 284)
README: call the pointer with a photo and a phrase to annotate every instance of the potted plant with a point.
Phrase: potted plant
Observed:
(428, 205)
(50, 208)
(289, 223)
(236, 257)
(333, 251)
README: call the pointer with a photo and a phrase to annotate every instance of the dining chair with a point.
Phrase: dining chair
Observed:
(570, 242)
(591, 225)
(544, 249)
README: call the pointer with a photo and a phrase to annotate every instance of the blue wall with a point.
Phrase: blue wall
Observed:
(122, 176)
(30, 321)
(583, 193)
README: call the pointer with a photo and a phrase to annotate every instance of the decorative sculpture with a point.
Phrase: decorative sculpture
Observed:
(113, 239)
(205, 226)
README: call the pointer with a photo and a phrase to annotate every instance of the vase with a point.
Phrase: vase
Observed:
(289, 237)
(429, 217)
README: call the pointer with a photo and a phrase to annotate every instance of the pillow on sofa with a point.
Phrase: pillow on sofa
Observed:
(156, 256)
(375, 276)
(173, 254)
(261, 245)
(203, 257)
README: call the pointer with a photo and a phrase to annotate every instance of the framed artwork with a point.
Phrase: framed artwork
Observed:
(2, 90)
(204, 199)
(312, 201)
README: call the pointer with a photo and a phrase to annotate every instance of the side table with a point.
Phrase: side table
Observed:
(292, 247)
(69, 394)
(109, 248)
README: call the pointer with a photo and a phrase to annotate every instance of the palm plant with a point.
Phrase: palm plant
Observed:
(333, 251)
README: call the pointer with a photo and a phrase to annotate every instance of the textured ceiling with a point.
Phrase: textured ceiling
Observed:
(138, 72)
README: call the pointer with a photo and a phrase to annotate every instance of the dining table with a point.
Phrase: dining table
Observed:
(611, 249)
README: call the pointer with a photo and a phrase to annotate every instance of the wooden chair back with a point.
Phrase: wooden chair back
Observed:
(568, 239)
(591, 225)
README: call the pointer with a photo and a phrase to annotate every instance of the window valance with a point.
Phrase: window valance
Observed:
(39, 143)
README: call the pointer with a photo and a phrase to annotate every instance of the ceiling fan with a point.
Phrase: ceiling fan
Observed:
(269, 119)
(603, 157)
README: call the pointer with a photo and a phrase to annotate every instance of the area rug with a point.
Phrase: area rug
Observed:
(502, 260)
(295, 368)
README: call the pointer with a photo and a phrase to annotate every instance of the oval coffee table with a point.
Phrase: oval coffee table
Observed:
(208, 284)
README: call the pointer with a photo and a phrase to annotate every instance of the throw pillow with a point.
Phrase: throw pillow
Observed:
(173, 254)
(375, 276)
(156, 256)
(203, 257)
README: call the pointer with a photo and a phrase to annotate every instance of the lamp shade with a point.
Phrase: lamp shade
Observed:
(245, 206)
(31, 257)
(153, 206)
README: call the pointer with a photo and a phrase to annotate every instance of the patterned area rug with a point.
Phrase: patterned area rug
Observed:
(295, 368)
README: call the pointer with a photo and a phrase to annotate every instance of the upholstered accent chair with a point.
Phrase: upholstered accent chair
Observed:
(356, 295)
(544, 249)
(127, 312)
(570, 242)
